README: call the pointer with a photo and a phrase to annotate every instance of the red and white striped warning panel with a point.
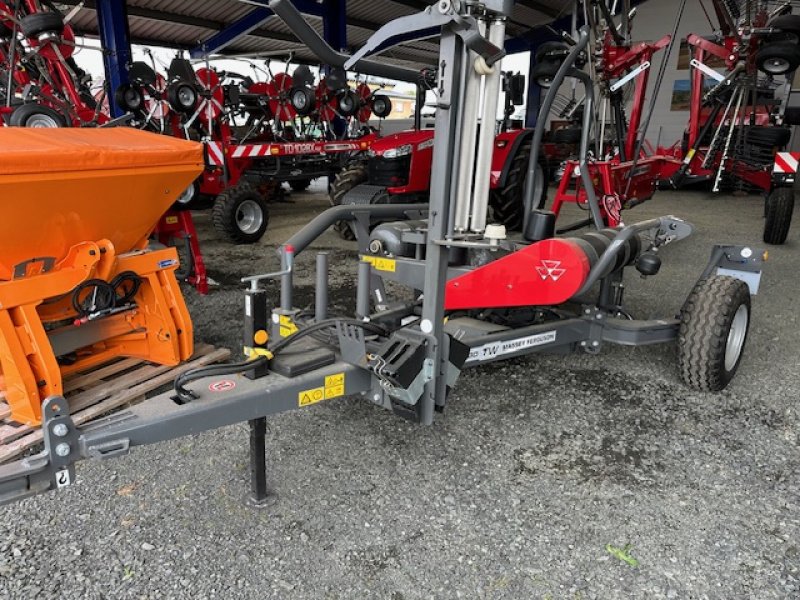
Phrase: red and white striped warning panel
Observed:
(786, 162)
(215, 156)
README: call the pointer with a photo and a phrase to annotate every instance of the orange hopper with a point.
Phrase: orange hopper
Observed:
(76, 209)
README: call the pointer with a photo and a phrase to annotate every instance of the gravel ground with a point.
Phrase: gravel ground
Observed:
(515, 492)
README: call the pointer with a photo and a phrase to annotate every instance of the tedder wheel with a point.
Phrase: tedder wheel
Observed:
(778, 58)
(300, 185)
(36, 116)
(188, 197)
(381, 106)
(348, 178)
(789, 26)
(241, 214)
(129, 98)
(714, 324)
(303, 100)
(778, 215)
(508, 203)
(182, 96)
(767, 136)
(43, 22)
(552, 52)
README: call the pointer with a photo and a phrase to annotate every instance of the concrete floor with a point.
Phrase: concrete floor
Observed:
(515, 492)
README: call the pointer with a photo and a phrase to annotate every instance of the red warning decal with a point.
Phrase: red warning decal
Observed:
(223, 385)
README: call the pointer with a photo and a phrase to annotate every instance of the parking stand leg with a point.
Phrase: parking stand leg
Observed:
(259, 496)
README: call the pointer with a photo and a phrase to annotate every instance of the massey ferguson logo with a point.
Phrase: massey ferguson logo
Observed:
(550, 269)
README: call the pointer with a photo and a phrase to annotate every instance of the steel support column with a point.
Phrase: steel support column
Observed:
(112, 23)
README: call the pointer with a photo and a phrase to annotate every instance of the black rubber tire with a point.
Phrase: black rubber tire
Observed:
(27, 115)
(789, 26)
(349, 103)
(225, 214)
(176, 95)
(778, 58)
(5, 32)
(303, 100)
(706, 320)
(552, 47)
(508, 204)
(346, 179)
(791, 115)
(189, 197)
(778, 209)
(767, 136)
(43, 22)
(381, 106)
(129, 98)
(567, 135)
(300, 185)
(542, 73)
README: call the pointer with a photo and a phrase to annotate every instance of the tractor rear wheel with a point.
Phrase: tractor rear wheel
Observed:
(508, 202)
(241, 214)
(714, 323)
(348, 178)
(779, 207)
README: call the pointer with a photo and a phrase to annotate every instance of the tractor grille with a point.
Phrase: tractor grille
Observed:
(389, 172)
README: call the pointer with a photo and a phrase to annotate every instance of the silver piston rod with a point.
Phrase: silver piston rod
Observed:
(469, 134)
(483, 165)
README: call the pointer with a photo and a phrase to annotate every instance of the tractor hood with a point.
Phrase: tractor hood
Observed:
(404, 141)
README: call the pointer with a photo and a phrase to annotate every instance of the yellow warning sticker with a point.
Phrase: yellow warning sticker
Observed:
(287, 326)
(380, 263)
(333, 388)
(171, 220)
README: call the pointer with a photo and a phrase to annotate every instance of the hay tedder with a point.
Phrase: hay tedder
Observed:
(78, 283)
(256, 134)
(432, 298)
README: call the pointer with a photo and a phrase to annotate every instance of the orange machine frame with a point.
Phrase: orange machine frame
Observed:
(40, 340)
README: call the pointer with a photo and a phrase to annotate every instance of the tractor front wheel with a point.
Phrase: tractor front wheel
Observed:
(714, 323)
(241, 214)
(779, 207)
(508, 203)
(348, 178)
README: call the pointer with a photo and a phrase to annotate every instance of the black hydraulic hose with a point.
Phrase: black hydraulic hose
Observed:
(677, 179)
(541, 121)
(642, 133)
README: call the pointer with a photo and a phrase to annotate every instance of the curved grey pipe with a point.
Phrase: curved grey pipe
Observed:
(541, 122)
(323, 51)
(346, 212)
(588, 111)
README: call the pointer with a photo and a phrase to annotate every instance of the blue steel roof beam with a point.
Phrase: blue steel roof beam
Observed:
(248, 23)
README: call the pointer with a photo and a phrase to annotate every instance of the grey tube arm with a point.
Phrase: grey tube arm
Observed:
(326, 54)
(465, 26)
(347, 212)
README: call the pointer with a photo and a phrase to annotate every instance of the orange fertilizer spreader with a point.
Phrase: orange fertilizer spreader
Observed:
(78, 283)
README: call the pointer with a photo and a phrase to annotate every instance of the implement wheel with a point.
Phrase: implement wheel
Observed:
(779, 207)
(35, 116)
(348, 178)
(714, 323)
(241, 214)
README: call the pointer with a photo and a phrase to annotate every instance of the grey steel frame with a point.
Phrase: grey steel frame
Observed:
(162, 417)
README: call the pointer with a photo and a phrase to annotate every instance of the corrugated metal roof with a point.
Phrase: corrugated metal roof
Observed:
(188, 23)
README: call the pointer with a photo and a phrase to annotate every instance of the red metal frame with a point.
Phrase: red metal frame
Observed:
(176, 226)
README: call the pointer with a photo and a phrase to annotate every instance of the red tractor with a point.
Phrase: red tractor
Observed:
(398, 169)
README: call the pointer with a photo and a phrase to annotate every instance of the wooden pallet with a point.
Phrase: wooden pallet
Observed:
(95, 393)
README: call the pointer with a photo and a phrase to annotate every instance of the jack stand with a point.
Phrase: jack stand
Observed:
(259, 496)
